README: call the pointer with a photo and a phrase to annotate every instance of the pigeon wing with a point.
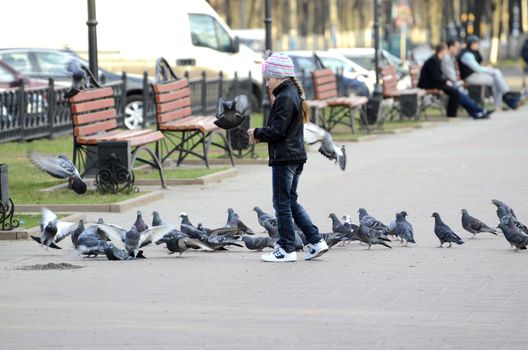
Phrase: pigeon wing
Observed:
(47, 216)
(194, 243)
(114, 232)
(64, 229)
(55, 167)
(313, 133)
(154, 233)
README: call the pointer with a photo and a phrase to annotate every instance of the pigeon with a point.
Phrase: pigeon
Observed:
(77, 232)
(233, 221)
(333, 238)
(371, 236)
(404, 229)
(258, 243)
(220, 242)
(516, 237)
(179, 242)
(347, 221)
(503, 209)
(185, 219)
(89, 243)
(231, 114)
(348, 233)
(370, 221)
(114, 253)
(193, 232)
(134, 239)
(222, 231)
(59, 167)
(444, 232)
(156, 219)
(391, 227)
(53, 231)
(139, 223)
(314, 134)
(474, 225)
(81, 77)
(265, 217)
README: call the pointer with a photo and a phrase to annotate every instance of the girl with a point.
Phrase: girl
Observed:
(284, 135)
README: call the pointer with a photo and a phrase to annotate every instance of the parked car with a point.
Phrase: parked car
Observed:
(47, 63)
(364, 56)
(307, 61)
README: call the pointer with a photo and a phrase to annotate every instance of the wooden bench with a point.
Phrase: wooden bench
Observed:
(389, 76)
(185, 133)
(94, 120)
(333, 109)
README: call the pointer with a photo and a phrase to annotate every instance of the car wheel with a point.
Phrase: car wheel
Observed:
(134, 112)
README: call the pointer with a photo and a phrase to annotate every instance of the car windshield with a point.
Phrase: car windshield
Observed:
(207, 32)
(6, 77)
(363, 61)
(301, 64)
(18, 60)
(53, 63)
(336, 64)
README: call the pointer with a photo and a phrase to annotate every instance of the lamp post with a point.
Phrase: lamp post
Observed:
(377, 87)
(92, 39)
(265, 98)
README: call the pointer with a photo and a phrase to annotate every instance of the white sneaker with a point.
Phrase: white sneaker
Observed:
(315, 250)
(279, 255)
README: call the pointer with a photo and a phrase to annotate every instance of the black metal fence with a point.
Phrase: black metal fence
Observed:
(27, 114)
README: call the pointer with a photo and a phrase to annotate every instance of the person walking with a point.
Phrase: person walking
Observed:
(471, 71)
(449, 70)
(431, 77)
(287, 155)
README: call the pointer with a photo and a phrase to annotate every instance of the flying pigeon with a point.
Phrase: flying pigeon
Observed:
(404, 229)
(444, 232)
(516, 237)
(258, 243)
(370, 221)
(59, 167)
(231, 114)
(371, 236)
(314, 134)
(53, 231)
(474, 225)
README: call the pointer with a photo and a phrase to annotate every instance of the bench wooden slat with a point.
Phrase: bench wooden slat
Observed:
(111, 135)
(325, 94)
(92, 105)
(324, 80)
(140, 140)
(89, 129)
(202, 123)
(183, 103)
(321, 72)
(79, 119)
(175, 85)
(173, 115)
(326, 87)
(171, 96)
(86, 95)
(126, 134)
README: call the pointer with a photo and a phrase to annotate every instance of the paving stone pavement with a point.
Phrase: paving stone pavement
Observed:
(472, 296)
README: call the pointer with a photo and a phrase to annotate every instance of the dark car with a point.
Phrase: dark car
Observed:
(47, 63)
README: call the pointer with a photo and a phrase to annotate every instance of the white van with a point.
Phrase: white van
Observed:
(133, 34)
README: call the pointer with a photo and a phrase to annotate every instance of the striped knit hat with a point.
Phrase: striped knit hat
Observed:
(278, 65)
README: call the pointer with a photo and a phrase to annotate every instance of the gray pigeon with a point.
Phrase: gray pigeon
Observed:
(133, 239)
(193, 232)
(516, 237)
(59, 167)
(114, 253)
(370, 221)
(53, 231)
(391, 227)
(156, 219)
(220, 242)
(140, 224)
(89, 243)
(185, 219)
(314, 134)
(178, 243)
(474, 225)
(233, 221)
(444, 232)
(77, 232)
(503, 209)
(349, 233)
(371, 236)
(258, 243)
(333, 238)
(404, 229)
(268, 221)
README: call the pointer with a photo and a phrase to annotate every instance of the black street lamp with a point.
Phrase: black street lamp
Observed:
(377, 86)
(265, 98)
(92, 39)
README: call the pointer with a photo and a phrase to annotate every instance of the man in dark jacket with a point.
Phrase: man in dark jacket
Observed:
(431, 77)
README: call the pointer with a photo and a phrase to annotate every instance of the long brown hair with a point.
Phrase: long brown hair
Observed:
(305, 109)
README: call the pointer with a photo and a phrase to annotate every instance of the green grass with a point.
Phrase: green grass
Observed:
(30, 220)
(178, 173)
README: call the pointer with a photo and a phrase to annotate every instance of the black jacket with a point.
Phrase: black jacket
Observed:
(431, 76)
(284, 132)
(465, 71)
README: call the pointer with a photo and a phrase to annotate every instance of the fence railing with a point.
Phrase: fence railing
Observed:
(27, 114)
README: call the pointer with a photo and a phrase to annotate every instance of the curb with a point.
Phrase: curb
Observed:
(202, 180)
(16, 234)
(227, 162)
(106, 208)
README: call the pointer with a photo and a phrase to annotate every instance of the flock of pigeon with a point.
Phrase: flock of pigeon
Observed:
(118, 243)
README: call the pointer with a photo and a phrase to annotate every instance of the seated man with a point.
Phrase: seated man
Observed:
(474, 73)
(449, 70)
(431, 77)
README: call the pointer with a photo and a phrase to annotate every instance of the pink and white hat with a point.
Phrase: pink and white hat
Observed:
(278, 65)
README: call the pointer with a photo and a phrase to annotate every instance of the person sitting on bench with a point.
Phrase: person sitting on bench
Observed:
(472, 72)
(449, 70)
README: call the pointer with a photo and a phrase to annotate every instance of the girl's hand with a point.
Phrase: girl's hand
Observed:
(252, 139)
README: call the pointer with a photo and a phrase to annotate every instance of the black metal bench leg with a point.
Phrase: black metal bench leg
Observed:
(206, 146)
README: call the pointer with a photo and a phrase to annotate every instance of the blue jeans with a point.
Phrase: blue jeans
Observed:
(469, 105)
(287, 209)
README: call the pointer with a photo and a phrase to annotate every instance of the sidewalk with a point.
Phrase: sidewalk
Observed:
(469, 297)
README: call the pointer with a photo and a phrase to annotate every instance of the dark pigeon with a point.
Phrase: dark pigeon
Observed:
(348, 233)
(178, 242)
(516, 237)
(258, 243)
(90, 244)
(156, 219)
(404, 229)
(233, 221)
(59, 167)
(185, 219)
(220, 242)
(503, 209)
(371, 236)
(193, 232)
(370, 221)
(444, 232)
(114, 253)
(474, 225)
(140, 224)
(231, 114)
